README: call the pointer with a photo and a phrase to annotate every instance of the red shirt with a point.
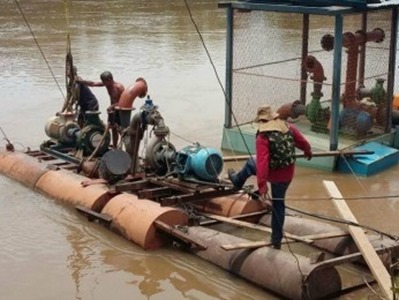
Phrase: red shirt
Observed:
(263, 173)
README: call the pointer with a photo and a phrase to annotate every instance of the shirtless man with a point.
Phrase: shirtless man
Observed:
(138, 89)
(115, 90)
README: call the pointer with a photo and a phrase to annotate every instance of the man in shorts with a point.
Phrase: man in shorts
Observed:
(115, 90)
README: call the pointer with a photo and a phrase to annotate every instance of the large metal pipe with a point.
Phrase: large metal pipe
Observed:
(132, 140)
(21, 167)
(291, 276)
(229, 206)
(67, 187)
(131, 217)
(352, 41)
(312, 65)
(134, 219)
(340, 245)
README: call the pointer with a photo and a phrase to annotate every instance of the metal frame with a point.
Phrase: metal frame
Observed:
(315, 8)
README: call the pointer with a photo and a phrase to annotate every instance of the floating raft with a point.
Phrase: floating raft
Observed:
(145, 212)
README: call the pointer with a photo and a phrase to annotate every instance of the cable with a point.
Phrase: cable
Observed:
(343, 221)
(182, 138)
(217, 76)
(9, 145)
(40, 49)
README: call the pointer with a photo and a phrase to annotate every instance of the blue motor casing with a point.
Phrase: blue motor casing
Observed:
(203, 163)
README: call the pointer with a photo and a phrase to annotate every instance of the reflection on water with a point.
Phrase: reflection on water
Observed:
(48, 251)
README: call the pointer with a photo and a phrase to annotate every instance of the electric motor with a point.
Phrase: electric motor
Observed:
(200, 162)
(62, 129)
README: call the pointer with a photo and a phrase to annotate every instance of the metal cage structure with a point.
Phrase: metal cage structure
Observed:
(327, 66)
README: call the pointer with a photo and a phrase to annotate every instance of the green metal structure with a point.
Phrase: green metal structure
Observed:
(271, 48)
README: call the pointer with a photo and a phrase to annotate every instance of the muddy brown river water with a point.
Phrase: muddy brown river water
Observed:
(49, 251)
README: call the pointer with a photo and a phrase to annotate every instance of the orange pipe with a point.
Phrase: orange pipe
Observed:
(312, 65)
(229, 206)
(352, 41)
(134, 219)
(67, 187)
(21, 167)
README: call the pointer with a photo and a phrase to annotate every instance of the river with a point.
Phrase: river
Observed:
(49, 251)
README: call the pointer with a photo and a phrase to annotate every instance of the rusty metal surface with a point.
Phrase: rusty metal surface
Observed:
(272, 269)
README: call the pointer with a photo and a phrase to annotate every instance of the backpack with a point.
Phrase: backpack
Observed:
(282, 149)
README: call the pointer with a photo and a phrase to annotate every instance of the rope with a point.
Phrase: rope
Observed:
(40, 49)
(66, 12)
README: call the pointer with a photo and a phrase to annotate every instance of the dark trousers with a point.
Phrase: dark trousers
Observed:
(247, 171)
(278, 190)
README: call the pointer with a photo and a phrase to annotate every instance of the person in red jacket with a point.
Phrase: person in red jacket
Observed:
(276, 141)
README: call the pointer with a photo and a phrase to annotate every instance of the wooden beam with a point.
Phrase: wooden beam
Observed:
(259, 244)
(93, 215)
(154, 192)
(249, 245)
(254, 226)
(178, 234)
(373, 261)
(327, 235)
(351, 257)
(238, 217)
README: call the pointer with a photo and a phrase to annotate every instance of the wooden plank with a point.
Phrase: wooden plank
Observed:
(373, 261)
(258, 244)
(178, 234)
(351, 257)
(93, 215)
(238, 217)
(327, 235)
(249, 245)
(254, 226)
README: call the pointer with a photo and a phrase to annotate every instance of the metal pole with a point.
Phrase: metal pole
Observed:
(362, 54)
(336, 84)
(305, 49)
(229, 67)
(300, 155)
(391, 69)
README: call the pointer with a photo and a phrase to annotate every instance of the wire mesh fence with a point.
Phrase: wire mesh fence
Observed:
(278, 63)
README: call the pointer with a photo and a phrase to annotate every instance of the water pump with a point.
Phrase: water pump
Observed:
(198, 162)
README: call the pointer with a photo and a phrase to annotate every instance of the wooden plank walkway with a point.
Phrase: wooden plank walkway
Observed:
(373, 261)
